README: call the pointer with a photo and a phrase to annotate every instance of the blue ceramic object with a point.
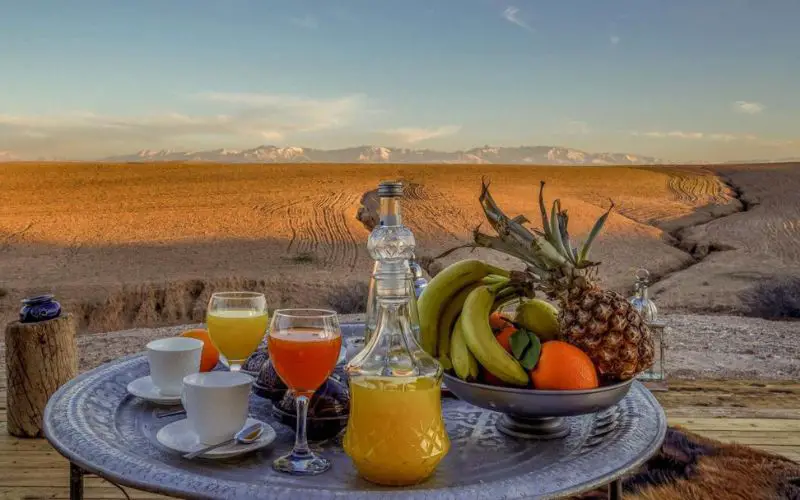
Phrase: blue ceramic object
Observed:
(39, 308)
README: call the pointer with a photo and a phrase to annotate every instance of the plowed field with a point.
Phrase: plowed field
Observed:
(144, 244)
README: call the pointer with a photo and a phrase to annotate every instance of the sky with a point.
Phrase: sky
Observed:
(683, 80)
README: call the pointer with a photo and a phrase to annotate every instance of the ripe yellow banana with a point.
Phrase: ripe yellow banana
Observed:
(464, 363)
(448, 316)
(481, 342)
(440, 291)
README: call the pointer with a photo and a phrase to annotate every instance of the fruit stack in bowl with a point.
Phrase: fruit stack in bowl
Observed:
(582, 337)
(532, 340)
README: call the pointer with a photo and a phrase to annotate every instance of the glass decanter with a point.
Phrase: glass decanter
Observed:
(395, 433)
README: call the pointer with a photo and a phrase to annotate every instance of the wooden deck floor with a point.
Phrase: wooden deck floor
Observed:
(762, 415)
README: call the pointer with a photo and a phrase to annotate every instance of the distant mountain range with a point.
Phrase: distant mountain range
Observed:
(533, 155)
(537, 155)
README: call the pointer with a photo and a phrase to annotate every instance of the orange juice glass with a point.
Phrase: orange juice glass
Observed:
(237, 323)
(304, 345)
(304, 358)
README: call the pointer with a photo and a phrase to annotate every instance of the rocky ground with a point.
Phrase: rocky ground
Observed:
(698, 347)
(731, 347)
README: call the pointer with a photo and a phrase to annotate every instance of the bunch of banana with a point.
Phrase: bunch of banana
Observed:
(481, 342)
(443, 289)
(454, 321)
(451, 312)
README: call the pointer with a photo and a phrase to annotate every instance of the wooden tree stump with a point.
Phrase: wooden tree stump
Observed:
(40, 357)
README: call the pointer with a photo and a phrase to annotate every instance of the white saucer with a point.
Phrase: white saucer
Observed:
(179, 437)
(144, 388)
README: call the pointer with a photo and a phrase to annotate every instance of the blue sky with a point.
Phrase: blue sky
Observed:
(678, 79)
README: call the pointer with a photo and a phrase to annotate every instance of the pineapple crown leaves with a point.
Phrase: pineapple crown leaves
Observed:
(547, 250)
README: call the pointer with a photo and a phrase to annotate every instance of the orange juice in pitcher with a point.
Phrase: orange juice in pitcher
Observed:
(395, 434)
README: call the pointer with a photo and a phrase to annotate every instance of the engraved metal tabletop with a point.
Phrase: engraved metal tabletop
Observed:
(99, 427)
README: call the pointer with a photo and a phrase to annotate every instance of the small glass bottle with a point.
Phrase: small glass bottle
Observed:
(390, 230)
(395, 432)
(640, 299)
(649, 312)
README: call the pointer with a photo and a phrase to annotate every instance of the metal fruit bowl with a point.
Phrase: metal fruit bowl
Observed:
(531, 413)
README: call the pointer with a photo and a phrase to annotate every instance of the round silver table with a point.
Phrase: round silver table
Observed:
(102, 430)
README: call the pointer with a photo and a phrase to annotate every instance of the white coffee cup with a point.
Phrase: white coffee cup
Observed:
(170, 360)
(216, 404)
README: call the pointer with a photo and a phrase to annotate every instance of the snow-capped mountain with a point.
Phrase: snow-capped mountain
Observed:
(537, 155)
(8, 156)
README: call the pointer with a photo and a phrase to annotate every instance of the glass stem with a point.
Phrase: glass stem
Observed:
(300, 441)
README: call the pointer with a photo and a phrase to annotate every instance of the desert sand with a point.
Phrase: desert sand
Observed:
(143, 245)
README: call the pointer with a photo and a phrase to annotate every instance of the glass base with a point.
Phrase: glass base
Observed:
(301, 465)
(232, 364)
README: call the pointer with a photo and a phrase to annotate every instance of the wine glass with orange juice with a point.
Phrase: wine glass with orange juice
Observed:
(237, 323)
(304, 346)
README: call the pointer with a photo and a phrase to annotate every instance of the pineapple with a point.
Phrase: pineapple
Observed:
(600, 322)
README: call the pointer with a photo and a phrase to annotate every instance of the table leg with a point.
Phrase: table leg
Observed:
(75, 482)
(615, 490)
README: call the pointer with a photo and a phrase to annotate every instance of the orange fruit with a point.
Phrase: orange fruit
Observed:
(504, 337)
(497, 321)
(563, 366)
(210, 355)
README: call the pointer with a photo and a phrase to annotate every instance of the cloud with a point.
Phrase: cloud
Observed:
(511, 15)
(679, 134)
(411, 135)
(245, 118)
(294, 112)
(614, 39)
(748, 107)
(722, 137)
(716, 137)
(685, 135)
(577, 127)
(307, 22)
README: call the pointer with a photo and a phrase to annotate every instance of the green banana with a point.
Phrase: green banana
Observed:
(481, 342)
(449, 314)
(494, 278)
(441, 289)
(464, 363)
